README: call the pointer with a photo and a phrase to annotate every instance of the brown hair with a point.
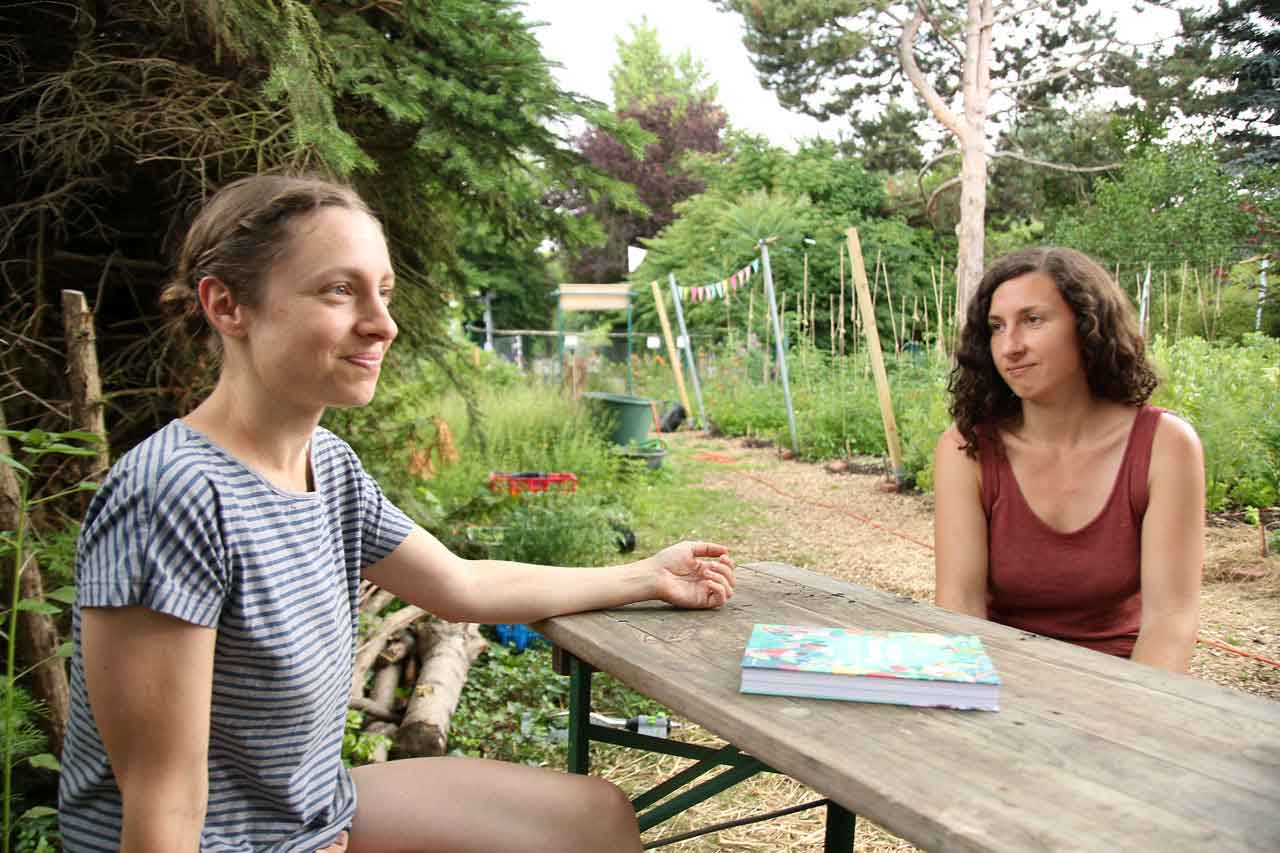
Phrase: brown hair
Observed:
(1113, 352)
(237, 237)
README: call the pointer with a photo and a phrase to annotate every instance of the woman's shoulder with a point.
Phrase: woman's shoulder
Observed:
(173, 467)
(1175, 439)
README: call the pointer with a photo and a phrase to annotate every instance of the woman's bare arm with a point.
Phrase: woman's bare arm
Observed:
(150, 681)
(959, 529)
(1172, 548)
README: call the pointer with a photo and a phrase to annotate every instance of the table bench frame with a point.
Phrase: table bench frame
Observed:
(656, 805)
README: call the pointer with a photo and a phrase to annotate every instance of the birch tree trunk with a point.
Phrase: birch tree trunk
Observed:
(971, 229)
(447, 650)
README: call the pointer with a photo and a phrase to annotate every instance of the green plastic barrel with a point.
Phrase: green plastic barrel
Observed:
(629, 418)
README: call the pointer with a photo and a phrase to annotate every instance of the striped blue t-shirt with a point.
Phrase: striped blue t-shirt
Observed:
(182, 527)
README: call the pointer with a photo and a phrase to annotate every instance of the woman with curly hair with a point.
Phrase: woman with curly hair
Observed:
(1066, 505)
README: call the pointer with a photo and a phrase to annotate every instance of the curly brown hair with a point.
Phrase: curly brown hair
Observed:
(1113, 351)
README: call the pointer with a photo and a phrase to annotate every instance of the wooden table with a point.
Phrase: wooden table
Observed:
(1088, 752)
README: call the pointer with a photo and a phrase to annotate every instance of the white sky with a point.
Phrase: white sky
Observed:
(580, 35)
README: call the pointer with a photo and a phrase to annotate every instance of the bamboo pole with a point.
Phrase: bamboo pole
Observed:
(672, 353)
(751, 314)
(842, 328)
(874, 355)
(1182, 288)
(1204, 316)
(893, 321)
(1164, 300)
(832, 310)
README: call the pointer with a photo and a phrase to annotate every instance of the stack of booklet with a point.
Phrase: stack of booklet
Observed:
(927, 670)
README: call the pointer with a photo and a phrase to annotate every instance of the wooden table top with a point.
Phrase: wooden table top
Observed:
(1088, 752)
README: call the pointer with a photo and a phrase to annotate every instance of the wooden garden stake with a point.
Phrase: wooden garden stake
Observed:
(841, 303)
(832, 310)
(1182, 287)
(1164, 300)
(688, 351)
(1204, 317)
(672, 352)
(874, 355)
(893, 320)
(782, 357)
(751, 314)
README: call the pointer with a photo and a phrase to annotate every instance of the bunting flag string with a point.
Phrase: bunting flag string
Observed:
(722, 288)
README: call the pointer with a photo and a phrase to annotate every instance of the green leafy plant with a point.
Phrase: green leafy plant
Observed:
(33, 445)
(358, 746)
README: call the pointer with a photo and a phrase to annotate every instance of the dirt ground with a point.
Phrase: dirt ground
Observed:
(845, 525)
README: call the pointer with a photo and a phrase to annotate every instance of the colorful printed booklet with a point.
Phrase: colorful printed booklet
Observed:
(927, 670)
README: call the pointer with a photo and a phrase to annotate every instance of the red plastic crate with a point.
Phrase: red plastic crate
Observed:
(514, 484)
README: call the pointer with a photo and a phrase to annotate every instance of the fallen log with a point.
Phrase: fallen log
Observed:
(447, 650)
(373, 645)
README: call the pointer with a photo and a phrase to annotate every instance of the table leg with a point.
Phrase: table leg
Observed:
(579, 716)
(840, 826)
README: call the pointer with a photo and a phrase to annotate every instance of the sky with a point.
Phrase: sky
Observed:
(580, 36)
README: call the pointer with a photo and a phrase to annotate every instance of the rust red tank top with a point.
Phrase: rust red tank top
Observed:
(1082, 587)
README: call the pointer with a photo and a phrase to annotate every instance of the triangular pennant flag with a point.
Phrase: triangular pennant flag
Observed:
(755, 265)
(722, 290)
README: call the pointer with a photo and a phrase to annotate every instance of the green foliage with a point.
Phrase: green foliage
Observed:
(1231, 395)
(1165, 206)
(644, 74)
(554, 529)
(512, 702)
(358, 746)
(21, 738)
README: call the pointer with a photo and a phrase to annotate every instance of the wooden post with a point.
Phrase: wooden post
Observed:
(1164, 300)
(1144, 303)
(671, 346)
(831, 309)
(782, 357)
(893, 321)
(1182, 288)
(874, 355)
(86, 386)
(841, 325)
(688, 351)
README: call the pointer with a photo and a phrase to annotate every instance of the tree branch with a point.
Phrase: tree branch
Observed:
(941, 188)
(1054, 75)
(1061, 167)
(906, 56)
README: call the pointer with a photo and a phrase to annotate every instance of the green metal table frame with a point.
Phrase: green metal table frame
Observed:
(657, 805)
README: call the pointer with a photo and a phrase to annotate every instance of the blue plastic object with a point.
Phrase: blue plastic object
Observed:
(517, 636)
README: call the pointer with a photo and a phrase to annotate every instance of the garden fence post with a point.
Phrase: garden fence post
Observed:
(777, 336)
(874, 355)
(688, 349)
(1262, 292)
(671, 345)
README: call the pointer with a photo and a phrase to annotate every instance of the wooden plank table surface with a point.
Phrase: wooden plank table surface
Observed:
(1088, 752)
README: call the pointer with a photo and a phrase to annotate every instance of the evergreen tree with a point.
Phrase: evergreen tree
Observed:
(1244, 103)
(645, 74)
(117, 119)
